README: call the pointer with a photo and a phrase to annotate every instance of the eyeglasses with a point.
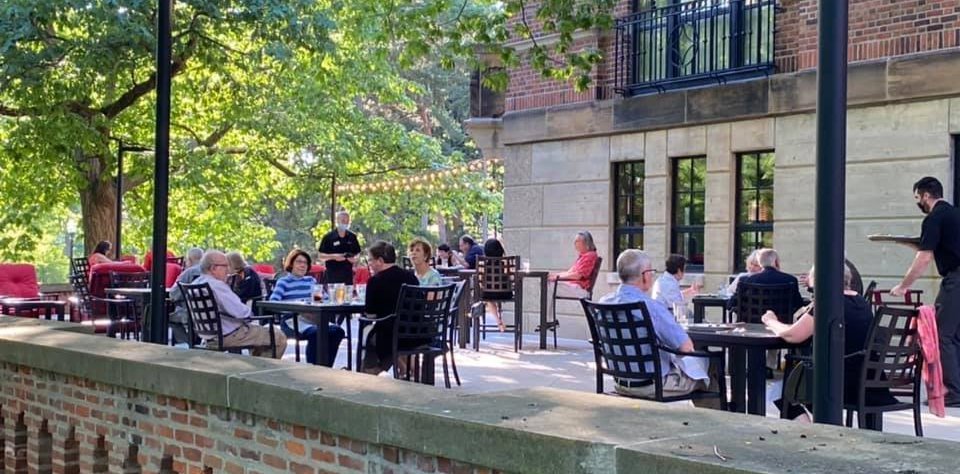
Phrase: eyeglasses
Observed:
(215, 265)
(653, 270)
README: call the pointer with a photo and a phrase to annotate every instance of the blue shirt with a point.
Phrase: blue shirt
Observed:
(667, 290)
(290, 287)
(430, 278)
(472, 254)
(669, 333)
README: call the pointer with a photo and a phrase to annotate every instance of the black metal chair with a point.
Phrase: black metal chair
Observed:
(911, 299)
(553, 325)
(132, 280)
(268, 285)
(453, 327)
(497, 283)
(869, 290)
(626, 347)
(104, 314)
(419, 327)
(753, 300)
(206, 320)
(892, 359)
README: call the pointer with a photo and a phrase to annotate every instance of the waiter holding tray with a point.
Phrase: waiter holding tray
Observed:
(940, 242)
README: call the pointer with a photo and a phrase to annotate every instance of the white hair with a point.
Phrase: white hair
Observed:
(768, 257)
(632, 263)
(209, 259)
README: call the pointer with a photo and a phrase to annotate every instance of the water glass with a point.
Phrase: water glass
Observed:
(680, 313)
(317, 292)
(339, 293)
(525, 265)
(361, 293)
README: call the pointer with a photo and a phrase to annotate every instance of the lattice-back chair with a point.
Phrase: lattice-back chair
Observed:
(453, 326)
(497, 282)
(81, 266)
(420, 325)
(406, 263)
(625, 346)
(109, 317)
(910, 299)
(892, 359)
(754, 299)
(594, 274)
(131, 280)
(869, 290)
(205, 320)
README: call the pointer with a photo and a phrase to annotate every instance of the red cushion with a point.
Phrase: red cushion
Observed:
(317, 268)
(19, 280)
(129, 258)
(100, 275)
(148, 259)
(173, 272)
(361, 275)
(264, 269)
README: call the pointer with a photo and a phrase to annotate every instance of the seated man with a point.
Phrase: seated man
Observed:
(771, 275)
(237, 330)
(244, 280)
(471, 250)
(667, 287)
(681, 375)
(178, 319)
(383, 291)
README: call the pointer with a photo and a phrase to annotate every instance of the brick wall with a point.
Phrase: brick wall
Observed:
(196, 436)
(878, 29)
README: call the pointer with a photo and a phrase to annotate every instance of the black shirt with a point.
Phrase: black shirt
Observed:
(383, 290)
(941, 234)
(339, 272)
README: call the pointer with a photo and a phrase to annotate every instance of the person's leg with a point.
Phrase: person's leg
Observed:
(948, 324)
(335, 335)
(257, 336)
(565, 289)
(310, 334)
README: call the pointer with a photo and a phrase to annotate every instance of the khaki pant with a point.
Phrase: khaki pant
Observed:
(247, 335)
(677, 383)
(565, 289)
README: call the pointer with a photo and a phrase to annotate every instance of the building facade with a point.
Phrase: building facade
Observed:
(698, 137)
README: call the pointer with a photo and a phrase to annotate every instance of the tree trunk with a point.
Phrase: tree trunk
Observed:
(98, 204)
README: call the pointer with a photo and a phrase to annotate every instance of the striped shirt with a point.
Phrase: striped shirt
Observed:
(290, 287)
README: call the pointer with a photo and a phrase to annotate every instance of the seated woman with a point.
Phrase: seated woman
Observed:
(444, 256)
(243, 279)
(493, 248)
(858, 316)
(99, 254)
(295, 285)
(420, 253)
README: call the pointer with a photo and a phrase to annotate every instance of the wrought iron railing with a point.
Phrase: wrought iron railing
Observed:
(674, 44)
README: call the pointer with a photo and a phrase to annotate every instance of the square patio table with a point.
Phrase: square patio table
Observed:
(318, 313)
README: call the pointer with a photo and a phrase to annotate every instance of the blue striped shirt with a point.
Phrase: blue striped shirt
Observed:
(290, 287)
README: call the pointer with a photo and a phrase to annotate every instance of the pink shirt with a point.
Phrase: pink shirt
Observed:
(584, 267)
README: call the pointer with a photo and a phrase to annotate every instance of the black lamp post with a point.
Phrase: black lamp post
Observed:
(121, 149)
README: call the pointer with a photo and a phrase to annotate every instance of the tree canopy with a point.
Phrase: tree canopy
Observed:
(271, 99)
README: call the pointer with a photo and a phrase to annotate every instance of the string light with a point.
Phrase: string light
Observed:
(433, 180)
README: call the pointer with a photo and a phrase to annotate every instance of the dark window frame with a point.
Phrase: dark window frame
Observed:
(741, 227)
(632, 228)
(675, 229)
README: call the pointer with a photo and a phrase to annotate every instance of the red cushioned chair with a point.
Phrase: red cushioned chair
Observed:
(20, 293)
(173, 272)
(316, 271)
(119, 311)
(128, 258)
(361, 275)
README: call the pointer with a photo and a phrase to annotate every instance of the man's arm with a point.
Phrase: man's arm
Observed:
(920, 263)
(229, 302)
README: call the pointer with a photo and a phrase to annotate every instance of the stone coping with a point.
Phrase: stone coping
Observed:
(920, 76)
(534, 430)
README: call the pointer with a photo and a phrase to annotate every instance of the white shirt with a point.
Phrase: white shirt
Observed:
(228, 302)
(667, 290)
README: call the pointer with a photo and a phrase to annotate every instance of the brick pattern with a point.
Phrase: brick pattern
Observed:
(878, 29)
(198, 437)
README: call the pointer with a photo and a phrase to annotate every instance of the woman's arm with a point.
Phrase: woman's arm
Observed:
(793, 333)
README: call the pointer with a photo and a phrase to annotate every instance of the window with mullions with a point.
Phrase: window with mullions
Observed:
(689, 197)
(754, 228)
(628, 206)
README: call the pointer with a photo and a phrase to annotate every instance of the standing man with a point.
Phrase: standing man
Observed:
(339, 250)
(940, 242)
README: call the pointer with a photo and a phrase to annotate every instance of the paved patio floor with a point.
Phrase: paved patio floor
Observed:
(496, 367)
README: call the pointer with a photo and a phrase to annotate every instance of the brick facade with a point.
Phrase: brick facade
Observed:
(878, 29)
(196, 436)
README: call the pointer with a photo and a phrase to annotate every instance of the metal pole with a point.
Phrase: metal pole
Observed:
(116, 242)
(333, 200)
(830, 209)
(157, 324)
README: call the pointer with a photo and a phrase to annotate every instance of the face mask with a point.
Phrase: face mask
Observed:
(343, 227)
(922, 208)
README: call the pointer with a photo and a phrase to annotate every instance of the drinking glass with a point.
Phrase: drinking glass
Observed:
(525, 265)
(680, 313)
(361, 293)
(338, 293)
(317, 292)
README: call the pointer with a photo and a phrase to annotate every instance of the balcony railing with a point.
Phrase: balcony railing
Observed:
(674, 44)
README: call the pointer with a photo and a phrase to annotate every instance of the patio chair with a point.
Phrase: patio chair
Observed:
(205, 320)
(80, 266)
(753, 300)
(176, 260)
(869, 290)
(553, 325)
(20, 294)
(106, 315)
(626, 347)
(911, 299)
(892, 359)
(420, 327)
(497, 283)
(453, 327)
